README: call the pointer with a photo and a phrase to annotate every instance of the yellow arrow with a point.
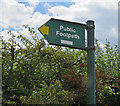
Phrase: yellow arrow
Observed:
(44, 30)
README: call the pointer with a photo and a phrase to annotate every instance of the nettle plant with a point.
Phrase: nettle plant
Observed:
(32, 70)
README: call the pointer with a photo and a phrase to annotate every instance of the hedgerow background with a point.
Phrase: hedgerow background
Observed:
(36, 73)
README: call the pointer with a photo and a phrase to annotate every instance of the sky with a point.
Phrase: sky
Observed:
(15, 13)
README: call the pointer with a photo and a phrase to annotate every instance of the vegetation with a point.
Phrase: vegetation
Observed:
(36, 73)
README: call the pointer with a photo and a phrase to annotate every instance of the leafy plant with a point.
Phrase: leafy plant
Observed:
(54, 94)
(34, 72)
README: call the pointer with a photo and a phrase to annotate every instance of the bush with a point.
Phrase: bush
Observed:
(34, 72)
(49, 95)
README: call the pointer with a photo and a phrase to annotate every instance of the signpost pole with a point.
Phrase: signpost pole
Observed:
(90, 63)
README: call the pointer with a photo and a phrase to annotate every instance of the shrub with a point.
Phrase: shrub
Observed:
(33, 66)
(49, 95)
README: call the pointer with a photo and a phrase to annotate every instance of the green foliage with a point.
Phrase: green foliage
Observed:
(34, 72)
(49, 95)
(107, 88)
(107, 58)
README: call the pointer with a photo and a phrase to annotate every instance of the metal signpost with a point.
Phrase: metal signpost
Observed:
(90, 63)
(71, 34)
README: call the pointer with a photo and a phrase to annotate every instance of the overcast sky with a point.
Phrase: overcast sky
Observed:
(15, 13)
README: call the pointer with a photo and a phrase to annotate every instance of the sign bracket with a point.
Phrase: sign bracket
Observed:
(90, 48)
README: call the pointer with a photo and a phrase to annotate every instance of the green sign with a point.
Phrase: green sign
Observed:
(64, 33)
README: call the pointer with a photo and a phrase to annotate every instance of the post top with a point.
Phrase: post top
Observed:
(90, 21)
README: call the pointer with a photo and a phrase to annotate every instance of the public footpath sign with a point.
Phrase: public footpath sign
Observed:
(71, 34)
(64, 33)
